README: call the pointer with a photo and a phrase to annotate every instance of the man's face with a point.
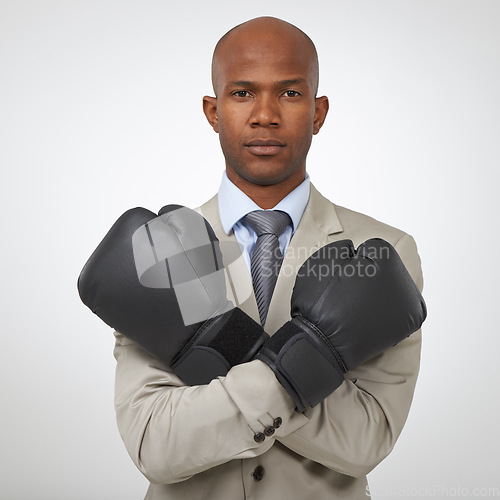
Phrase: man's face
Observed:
(265, 110)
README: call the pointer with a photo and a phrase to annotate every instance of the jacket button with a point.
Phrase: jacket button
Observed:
(269, 431)
(258, 473)
(277, 422)
(259, 437)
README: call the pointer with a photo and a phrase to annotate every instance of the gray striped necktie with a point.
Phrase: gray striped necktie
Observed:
(266, 257)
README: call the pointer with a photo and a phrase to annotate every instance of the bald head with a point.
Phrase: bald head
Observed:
(264, 34)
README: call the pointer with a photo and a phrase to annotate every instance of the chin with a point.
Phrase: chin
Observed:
(266, 176)
(269, 179)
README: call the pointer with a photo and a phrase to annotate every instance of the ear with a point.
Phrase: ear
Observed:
(210, 110)
(320, 112)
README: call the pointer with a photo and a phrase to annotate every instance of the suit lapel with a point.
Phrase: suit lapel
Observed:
(318, 223)
(238, 279)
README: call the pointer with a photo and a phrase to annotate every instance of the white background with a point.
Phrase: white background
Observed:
(100, 110)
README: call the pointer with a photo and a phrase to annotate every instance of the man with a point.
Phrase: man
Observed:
(199, 442)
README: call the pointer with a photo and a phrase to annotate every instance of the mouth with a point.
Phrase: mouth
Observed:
(264, 147)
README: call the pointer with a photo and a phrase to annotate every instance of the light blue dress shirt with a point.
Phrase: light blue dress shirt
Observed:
(235, 204)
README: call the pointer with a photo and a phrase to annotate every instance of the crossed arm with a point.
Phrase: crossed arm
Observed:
(163, 422)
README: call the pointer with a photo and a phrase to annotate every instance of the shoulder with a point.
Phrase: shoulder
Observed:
(350, 224)
(359, 227)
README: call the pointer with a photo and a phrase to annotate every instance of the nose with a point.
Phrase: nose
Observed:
(265, 112)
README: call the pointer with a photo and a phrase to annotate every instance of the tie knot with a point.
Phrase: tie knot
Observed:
(268, 221)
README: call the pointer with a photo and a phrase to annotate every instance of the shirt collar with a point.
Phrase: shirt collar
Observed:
(235, 204)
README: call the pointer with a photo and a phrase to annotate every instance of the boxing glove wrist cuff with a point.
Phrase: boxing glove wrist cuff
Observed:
(229, 339)
(298, 344)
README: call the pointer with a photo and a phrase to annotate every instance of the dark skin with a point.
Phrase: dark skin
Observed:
(265, 110)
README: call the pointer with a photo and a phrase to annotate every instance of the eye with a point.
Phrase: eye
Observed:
(291, 93)
(241, 93)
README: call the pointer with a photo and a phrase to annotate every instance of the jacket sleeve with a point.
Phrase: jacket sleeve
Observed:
(356, 427)
(173, 431)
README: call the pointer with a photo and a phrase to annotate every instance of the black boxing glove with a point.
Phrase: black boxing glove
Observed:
(160, 281)
(347, 306)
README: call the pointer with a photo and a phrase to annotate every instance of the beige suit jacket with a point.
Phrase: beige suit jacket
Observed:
(198, 442)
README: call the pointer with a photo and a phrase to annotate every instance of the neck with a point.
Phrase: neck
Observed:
(269, 195)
